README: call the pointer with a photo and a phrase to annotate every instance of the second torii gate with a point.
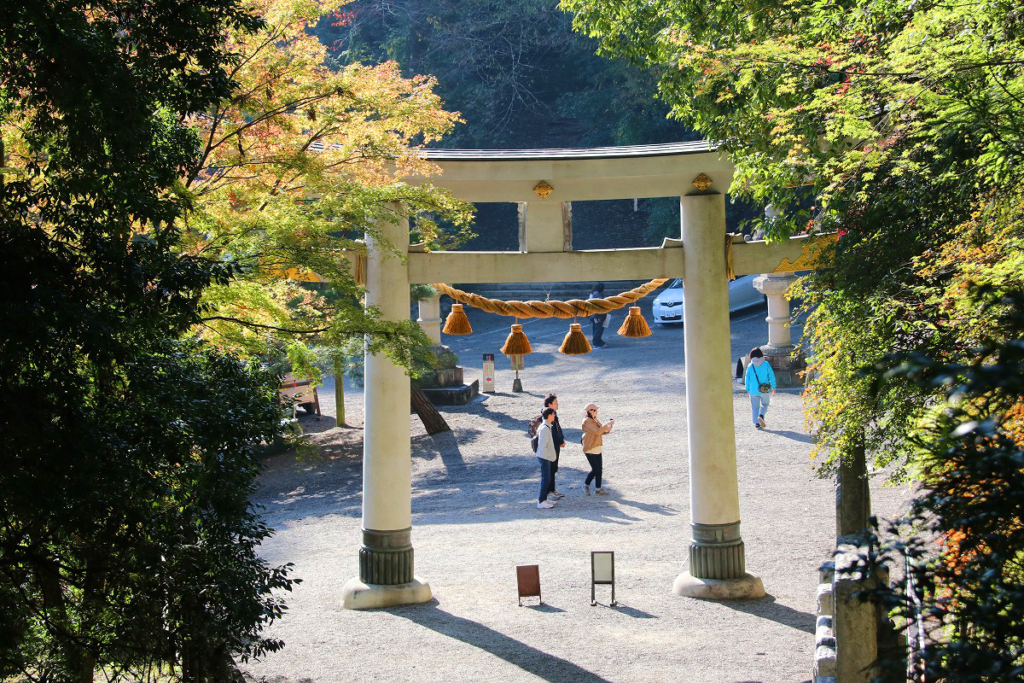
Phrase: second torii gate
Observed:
(544, 183)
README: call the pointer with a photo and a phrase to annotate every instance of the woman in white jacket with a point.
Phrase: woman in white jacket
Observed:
(546, 457)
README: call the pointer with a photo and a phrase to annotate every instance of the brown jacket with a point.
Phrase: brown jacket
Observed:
(593, 431)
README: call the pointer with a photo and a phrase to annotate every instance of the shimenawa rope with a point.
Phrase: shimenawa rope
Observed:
(574, 308)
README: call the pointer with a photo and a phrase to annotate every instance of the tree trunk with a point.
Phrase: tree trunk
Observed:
(432, 420)
(339, 392)
(853, 497)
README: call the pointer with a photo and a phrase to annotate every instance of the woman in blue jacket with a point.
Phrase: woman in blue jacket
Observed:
(760, 382)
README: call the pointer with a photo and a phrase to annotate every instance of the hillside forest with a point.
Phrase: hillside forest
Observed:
(521, 78)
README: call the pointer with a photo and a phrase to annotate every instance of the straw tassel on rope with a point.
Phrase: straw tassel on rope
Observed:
(575, 342)
(634, 326)
(457, 321)
(517, 343)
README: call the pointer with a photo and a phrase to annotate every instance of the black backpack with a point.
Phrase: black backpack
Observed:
(531, 431)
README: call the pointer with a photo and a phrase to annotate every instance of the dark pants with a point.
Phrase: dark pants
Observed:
(597, 326)
(546, 479)
(554, 471)
(595, 468)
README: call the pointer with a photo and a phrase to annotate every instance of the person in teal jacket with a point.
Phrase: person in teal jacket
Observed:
(760, 382)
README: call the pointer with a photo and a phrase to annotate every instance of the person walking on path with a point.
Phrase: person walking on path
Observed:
(551, 401)
(593, 433)
(597, 322)
(546, 457)
(760, 383)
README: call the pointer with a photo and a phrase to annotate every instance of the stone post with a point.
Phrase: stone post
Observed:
(854, 619)
(386, 557)
(780, 351)
(430, 318)
(717, 562)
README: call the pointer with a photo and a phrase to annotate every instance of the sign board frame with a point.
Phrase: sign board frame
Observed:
(602, 572)
(528, 580)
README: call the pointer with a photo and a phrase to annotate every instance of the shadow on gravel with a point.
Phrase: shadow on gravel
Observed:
(311, 425)
(445, 446)
(795, 436)
(537, 662)
(630, 611)
(550, 609)
(774, 611)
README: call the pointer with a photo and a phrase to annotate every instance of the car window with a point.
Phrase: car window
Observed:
(676, 284)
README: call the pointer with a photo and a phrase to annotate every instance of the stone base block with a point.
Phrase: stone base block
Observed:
(359, 595)
(453, 396)
(788, 364)
(747, 587)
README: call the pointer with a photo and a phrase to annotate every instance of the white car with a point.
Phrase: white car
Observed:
(668, 306)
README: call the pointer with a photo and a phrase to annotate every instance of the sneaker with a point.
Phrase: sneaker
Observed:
(586, 489)
(556, 495)
(760, 421)
(601, 492)
(758, 427)
(545, 505)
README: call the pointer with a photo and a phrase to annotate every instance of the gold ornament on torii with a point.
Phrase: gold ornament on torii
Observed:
(542, 189)
(702, 182)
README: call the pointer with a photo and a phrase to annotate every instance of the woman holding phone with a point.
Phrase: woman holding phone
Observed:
(593, 438)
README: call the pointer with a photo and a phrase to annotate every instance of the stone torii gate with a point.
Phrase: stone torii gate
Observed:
(544, 183)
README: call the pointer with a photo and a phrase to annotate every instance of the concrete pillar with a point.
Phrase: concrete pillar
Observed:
(786, 361)
(717, 562)
(430, 318)
(386, 557)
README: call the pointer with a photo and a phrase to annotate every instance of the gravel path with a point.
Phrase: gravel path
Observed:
(474, 520)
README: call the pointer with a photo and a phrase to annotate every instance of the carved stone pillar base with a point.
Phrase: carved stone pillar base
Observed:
(361, 595)
(386, 574)
(386, 557)
(747, 587)
(717, 565)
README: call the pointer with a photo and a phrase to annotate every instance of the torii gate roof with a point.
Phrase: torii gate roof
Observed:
(665, 149)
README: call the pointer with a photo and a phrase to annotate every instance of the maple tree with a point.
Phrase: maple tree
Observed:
(296, 165)
(897, 124)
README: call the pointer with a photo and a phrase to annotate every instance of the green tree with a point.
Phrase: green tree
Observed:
(965, 602)
(896, 124)
(127, 542)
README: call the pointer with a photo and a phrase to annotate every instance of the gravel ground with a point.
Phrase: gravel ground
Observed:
(474, 520)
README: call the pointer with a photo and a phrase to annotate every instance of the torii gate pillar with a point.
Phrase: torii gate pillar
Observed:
(386, 556)
(717, 562)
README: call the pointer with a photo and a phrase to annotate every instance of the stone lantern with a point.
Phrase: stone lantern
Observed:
(786, 361)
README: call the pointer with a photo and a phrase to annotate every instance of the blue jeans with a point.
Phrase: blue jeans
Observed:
(546, 479)
(759, 404)
(596, 465)
(597, 327)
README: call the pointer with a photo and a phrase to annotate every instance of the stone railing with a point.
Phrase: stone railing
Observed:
(850, 630)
